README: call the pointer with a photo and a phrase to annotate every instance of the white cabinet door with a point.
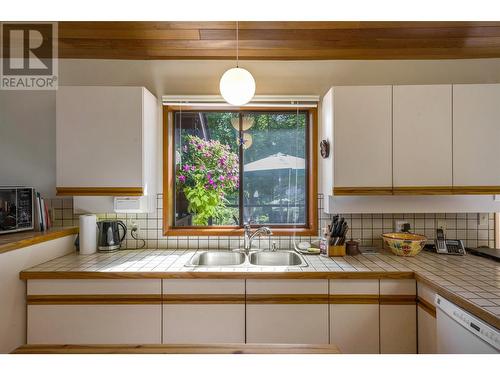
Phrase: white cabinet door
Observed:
(398, 329)
(105, 137)
(354, 316)
(62, 312)
(362, 146)
(94, 324)
(203, 323)
(476, 131)
(203, 311)
(426, 317)
(398, 317)
(287, 311)
(422, 140)
(426, 332)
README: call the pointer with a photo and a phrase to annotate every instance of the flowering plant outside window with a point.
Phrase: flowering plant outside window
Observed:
(209, 171)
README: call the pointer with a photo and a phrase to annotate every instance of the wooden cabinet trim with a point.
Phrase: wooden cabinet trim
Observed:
(426, 306)
(354, 299)
(362, 190)
(181, 299)
(476, 190)
(100, 191)
(287, 299)
(94, 299)
(397, 299)
(423, 190)
(418, 190)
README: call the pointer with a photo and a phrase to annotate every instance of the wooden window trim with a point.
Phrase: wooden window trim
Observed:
(310, 229)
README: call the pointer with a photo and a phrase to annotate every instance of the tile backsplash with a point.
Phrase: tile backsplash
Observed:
(364, 227)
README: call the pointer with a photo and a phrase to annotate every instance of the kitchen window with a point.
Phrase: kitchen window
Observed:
(225, 168)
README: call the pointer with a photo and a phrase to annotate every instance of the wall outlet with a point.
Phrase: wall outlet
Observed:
(399, 225)
(441, 224)
(482, 219)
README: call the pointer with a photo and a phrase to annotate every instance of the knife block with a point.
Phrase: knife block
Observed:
(336, 251)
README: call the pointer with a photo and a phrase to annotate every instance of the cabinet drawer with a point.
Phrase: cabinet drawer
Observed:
(398, 287)
(92, 287)
(287, 287)
(201, 286)
(94, 324)
(354, 287)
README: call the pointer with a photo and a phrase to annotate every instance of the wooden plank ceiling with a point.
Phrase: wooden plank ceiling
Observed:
(279, 40)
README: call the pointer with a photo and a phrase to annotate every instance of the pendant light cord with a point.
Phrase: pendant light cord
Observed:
(237, 46)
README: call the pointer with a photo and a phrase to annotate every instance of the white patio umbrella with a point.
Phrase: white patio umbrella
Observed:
(275, 162)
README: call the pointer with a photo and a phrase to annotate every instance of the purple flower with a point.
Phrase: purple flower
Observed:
(211, 182)
(186, 168)
(182, 178)
(222, 178)
(193, 168)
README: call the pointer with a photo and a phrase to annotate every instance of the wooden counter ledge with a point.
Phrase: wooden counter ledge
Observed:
(18, 240)
(180, 349)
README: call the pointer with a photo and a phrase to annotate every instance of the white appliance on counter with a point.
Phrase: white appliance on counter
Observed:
(459, 332)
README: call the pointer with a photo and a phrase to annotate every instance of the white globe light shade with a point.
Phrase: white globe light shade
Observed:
(237, 86)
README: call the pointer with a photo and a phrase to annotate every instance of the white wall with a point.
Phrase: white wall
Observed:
(27, 139)
(27, 119)
(13, 290)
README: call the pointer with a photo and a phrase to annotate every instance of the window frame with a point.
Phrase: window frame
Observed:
(308, 229)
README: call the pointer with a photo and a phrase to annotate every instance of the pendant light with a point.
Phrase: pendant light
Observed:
(237, 85)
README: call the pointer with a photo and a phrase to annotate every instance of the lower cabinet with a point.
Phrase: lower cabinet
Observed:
(203, 311)
(398, 317)
(287, 311)
(354, 316)
(426, 314)
(94, 312)
(94, 324)
(359, 316)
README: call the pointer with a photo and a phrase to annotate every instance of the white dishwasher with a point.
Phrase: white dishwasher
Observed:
(459, 332)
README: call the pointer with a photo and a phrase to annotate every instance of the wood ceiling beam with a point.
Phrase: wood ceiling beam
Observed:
(280, 40)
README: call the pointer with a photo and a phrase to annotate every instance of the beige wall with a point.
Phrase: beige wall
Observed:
(275, 77)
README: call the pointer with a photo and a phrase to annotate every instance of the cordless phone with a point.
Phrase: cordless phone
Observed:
(444, 246)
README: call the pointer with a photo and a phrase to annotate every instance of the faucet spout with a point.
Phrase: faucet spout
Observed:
(249, 235)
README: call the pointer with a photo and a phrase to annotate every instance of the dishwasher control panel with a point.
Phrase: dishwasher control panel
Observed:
(470, 322)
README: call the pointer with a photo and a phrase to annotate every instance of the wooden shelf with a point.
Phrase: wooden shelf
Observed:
(14, 241)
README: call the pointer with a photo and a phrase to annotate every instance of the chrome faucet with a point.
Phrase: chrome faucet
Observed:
(249, 235)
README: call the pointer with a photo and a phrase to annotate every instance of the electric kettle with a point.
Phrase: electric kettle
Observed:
(108, 237)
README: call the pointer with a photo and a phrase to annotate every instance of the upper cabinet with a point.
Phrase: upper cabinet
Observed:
(362, 127)
(476, 132)
(106, 141)
(422, 139)
(418, 139)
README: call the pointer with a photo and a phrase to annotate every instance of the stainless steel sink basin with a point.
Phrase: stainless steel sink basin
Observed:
(217, 258)
(277, 258)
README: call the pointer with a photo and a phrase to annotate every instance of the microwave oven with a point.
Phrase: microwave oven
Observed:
(16, 209)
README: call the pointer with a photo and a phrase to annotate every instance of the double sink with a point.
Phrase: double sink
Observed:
(240, 258)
